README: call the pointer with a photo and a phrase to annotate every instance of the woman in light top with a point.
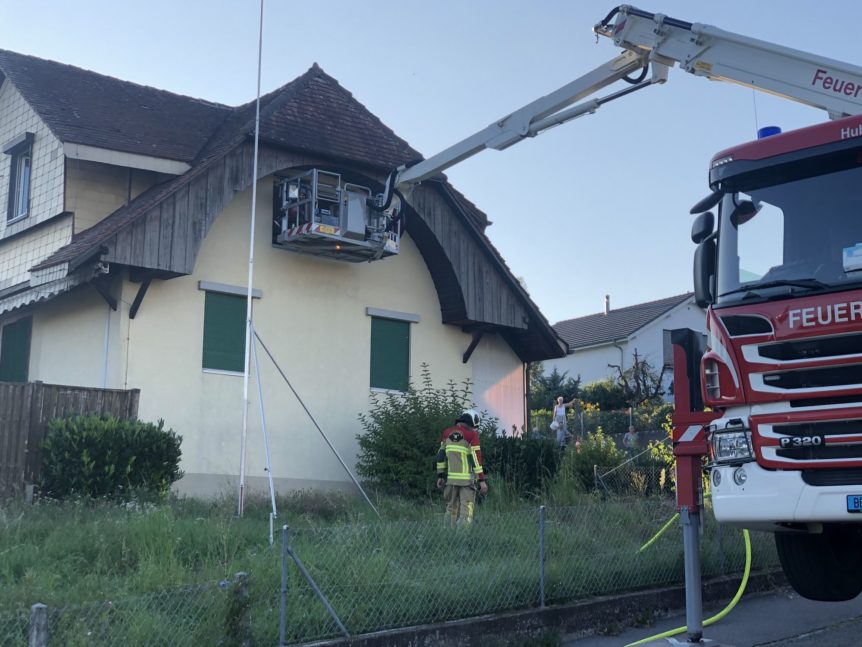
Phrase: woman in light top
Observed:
(563, 434)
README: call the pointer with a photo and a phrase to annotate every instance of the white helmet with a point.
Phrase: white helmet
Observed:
(470, 417)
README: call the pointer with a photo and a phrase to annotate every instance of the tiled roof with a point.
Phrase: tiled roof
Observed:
(84, 107)
(312, 113)
(617, 324)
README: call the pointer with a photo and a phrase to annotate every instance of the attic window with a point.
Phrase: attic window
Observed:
(20, 151)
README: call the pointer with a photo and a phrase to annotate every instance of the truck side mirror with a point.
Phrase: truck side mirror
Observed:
(704, 269)
(702, 227)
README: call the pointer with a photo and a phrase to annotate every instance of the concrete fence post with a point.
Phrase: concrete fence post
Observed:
(38, 626)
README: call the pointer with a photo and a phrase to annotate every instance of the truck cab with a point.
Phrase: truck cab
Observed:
(780, 270)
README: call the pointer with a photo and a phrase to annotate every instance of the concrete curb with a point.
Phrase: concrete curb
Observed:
(584, 617)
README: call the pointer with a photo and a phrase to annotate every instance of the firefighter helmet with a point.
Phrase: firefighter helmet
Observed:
(469, 417)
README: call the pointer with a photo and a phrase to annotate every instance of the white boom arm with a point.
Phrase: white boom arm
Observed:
(660, 42)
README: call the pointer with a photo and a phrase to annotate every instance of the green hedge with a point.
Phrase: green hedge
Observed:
(528, 465)
(106, 457)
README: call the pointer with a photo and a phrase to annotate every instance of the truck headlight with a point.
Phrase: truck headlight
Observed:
(731, 446)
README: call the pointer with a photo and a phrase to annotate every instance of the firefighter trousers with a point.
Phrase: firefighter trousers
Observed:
(460, 502)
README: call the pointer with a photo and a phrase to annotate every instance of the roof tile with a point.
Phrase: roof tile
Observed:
(618, 324)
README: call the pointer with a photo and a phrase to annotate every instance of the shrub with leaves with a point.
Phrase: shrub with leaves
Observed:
(527, 464)
(576, 469)
(106, 457)
(402, 434)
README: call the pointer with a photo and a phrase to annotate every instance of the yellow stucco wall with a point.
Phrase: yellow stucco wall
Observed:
(95, 190)
(68, 339)
(312, 317)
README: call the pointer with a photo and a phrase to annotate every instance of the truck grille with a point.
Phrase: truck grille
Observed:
(819, 348)
(826, 442)
(822, 453)
(813, 378)
(827, 428)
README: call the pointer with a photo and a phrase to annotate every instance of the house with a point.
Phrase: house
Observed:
(124, 263)
(598, 342)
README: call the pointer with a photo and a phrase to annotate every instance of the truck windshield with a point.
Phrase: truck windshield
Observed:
(806, 236)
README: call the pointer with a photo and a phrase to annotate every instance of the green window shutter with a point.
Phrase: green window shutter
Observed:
(224, 332)
(15, 350)
(390, 354)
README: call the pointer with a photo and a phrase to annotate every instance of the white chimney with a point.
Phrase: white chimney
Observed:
(607, 304)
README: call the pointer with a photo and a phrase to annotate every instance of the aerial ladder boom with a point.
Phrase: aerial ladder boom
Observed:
(658, 42)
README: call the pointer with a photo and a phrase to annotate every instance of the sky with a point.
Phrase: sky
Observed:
(595, 207)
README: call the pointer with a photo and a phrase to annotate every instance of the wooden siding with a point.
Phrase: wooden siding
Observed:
(168, 237)
(486, 293)
(25, 411)
(472, 286)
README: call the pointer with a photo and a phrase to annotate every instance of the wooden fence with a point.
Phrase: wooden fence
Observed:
(25, 411)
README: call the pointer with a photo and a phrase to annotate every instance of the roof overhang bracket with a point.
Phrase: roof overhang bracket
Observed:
(142, 291)
(102, 289)
(477, 337)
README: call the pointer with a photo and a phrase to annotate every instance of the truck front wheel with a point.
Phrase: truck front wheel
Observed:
(826, 567)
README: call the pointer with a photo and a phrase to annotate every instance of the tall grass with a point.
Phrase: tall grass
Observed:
(409, 569)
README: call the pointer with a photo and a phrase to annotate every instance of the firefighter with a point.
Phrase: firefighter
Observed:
(459, 468)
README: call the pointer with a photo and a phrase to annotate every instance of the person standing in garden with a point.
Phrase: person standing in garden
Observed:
(559, 418)
(459, 468)
(630, 441)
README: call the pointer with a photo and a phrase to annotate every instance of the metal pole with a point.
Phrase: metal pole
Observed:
(542, 556)
(248, 310)
(690, 519)
(282, 611)
(263, 424)
(317, 591)
(314, 422)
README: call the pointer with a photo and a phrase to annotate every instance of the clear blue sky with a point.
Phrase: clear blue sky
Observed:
(597, 206)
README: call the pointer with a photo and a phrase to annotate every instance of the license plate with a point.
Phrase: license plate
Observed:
(854, 503)
(326, 229)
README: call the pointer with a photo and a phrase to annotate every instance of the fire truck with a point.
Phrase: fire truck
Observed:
(770, 403)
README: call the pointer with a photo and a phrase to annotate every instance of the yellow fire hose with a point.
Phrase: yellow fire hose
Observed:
(720, 614)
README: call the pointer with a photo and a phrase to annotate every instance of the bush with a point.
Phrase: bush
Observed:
(106, 457)
(397, 452)
(527, 464)
(576, 469)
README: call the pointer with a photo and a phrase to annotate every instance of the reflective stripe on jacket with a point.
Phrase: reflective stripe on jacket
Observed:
(459, 458)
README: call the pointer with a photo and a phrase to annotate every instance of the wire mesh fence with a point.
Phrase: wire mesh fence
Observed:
(14, 628)
(188, 616)
(396, 574)
(393, 575)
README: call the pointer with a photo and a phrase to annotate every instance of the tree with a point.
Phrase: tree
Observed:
(605, 394)
(545, 388)
(640, 383)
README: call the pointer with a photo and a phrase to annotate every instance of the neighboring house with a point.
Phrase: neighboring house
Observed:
(600, 341)
(124, 263)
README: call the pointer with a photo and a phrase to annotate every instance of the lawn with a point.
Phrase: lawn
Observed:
(158, 574)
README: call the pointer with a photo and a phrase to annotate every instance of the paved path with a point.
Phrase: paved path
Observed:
(769, 620)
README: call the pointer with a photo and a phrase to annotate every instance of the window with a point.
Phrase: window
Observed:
(390, 354)
(15, 350)
(224, 332)
(20, 151)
